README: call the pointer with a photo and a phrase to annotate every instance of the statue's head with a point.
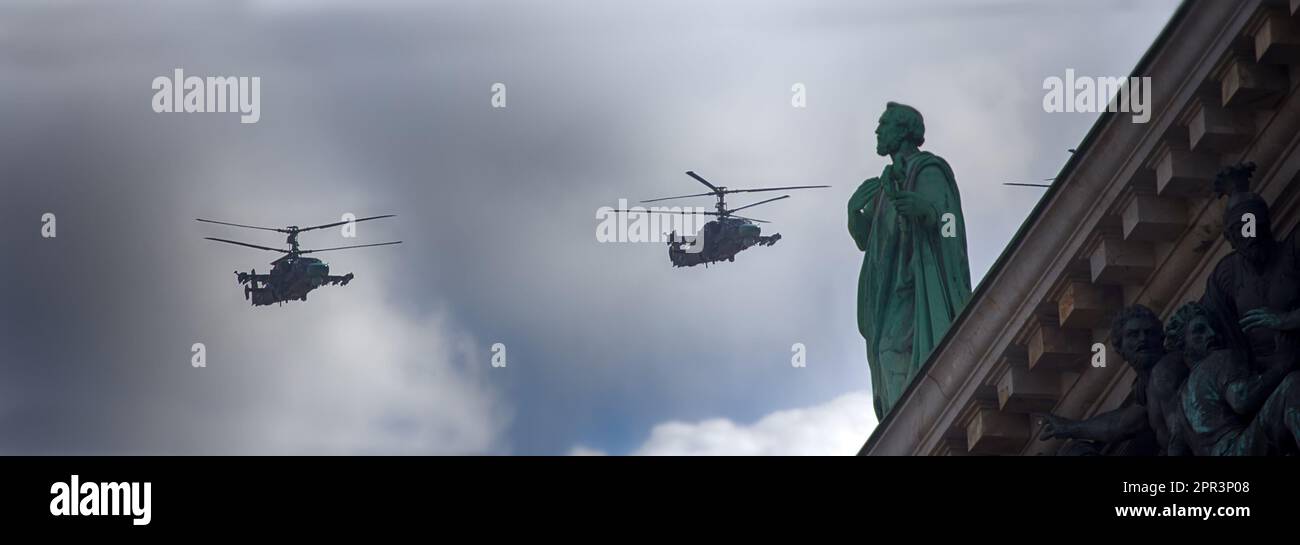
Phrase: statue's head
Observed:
(899, 124)
(1137, 334)
(1253, 248)
(1234, 181)
(1191, 331)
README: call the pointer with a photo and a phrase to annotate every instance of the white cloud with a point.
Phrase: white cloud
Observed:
(380, 382)
(585, 451)
(837, 427)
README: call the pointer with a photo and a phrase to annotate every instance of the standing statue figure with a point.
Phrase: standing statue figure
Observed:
(915, 275)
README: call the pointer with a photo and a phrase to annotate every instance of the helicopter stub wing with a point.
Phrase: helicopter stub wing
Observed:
(245, 278)
(334, 280)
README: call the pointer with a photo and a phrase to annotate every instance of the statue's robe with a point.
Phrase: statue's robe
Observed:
(914, 281)
(1212, 426)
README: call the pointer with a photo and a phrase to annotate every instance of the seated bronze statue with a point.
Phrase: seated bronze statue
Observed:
(1253, 295)
(1237, 393)
(1139, 426)
(1225, 408)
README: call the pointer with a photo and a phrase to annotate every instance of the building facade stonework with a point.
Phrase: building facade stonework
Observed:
(1131, 219)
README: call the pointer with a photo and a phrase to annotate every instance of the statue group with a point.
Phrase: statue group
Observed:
(1220, 378)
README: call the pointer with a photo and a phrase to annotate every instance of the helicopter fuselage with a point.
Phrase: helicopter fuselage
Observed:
(292, 276)
(722, 239)
(726, 236)
(291, 279)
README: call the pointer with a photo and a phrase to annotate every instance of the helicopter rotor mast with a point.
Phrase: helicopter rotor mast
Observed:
(720, 192)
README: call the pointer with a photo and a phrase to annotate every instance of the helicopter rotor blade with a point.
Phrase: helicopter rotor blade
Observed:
(751, 219)
(241, 225)
(247, 244)
(681, 197)
(775, 188)
(349, 247)
(760, 202)
(666, 212)
(338, 223)
(697, 177)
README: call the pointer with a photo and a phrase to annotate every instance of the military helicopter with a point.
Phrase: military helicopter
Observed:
(292, 276)
(724, 237)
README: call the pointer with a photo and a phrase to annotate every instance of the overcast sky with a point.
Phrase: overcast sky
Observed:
(385, 107)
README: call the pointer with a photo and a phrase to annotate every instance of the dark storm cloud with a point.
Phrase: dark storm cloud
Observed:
(384, 107)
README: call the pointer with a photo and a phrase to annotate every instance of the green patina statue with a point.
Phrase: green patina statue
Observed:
(915, 275)
(1227, 380)
(1226, 407)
